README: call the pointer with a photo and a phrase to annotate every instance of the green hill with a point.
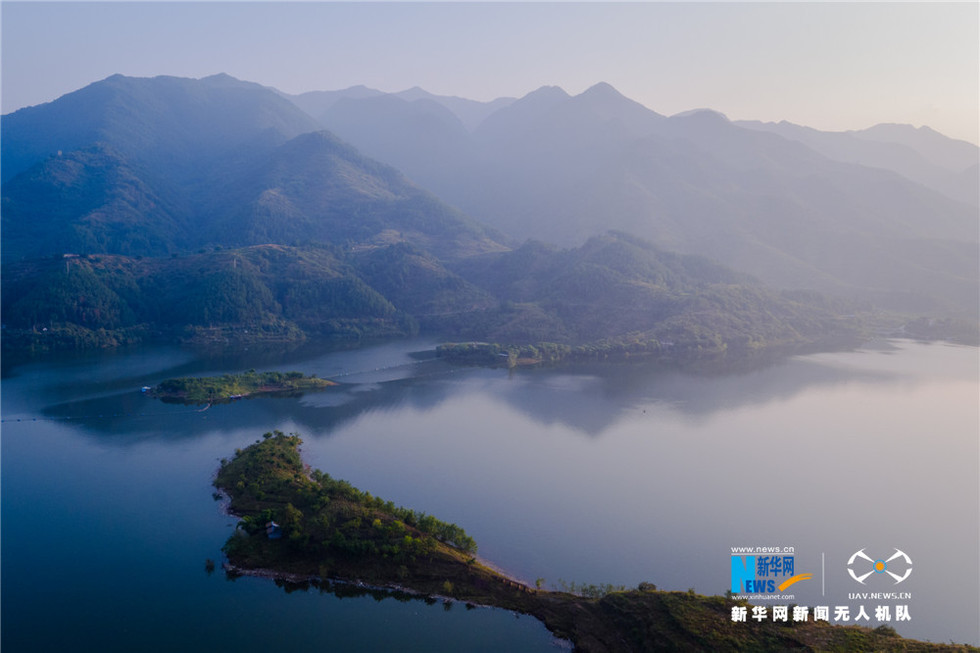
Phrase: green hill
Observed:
(619, 288)
(613, 292)
(255, 293)
(88, 200)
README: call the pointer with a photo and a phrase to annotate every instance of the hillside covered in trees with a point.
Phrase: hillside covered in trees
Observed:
(615, 288)
(245, 221)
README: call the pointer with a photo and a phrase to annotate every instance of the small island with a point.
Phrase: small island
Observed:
(229, 387)
(305, 526)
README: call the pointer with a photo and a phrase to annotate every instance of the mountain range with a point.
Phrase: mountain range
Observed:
(171, 203)
(919, 154)
(888, 214)
(163, 165)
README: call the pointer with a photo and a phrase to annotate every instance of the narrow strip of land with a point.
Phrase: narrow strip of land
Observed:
(306, 524)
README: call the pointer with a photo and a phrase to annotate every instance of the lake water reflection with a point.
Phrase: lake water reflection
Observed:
(603, 474)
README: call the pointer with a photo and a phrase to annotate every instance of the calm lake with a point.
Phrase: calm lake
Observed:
(603, 474)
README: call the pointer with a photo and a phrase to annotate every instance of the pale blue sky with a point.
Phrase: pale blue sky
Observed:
(832, 66)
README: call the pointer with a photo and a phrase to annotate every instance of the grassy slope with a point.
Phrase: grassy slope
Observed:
(268, 480)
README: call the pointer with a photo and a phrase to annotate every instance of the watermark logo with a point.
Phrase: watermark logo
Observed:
(767, 571)
(860, 566)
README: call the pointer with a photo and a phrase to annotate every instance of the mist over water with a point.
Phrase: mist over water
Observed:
(598, 474)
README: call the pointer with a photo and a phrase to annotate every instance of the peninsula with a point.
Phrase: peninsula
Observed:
(302, 523)
(228, 387)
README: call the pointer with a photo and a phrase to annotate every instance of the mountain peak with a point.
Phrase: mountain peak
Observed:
(547, 93)
(936, 147)
(898, 131)
(602, 90)
(153, 119)
(414, 93)
(221, 78)
(606, 103)
(705, 115)
(525, 111)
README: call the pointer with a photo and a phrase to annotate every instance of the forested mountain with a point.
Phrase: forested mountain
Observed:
(562, 168)
(315, 188)
(617, 286)
(260, 292)
(216, 209)
(163, 165)
(615, 289)
(174, 127)
(89, 200)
